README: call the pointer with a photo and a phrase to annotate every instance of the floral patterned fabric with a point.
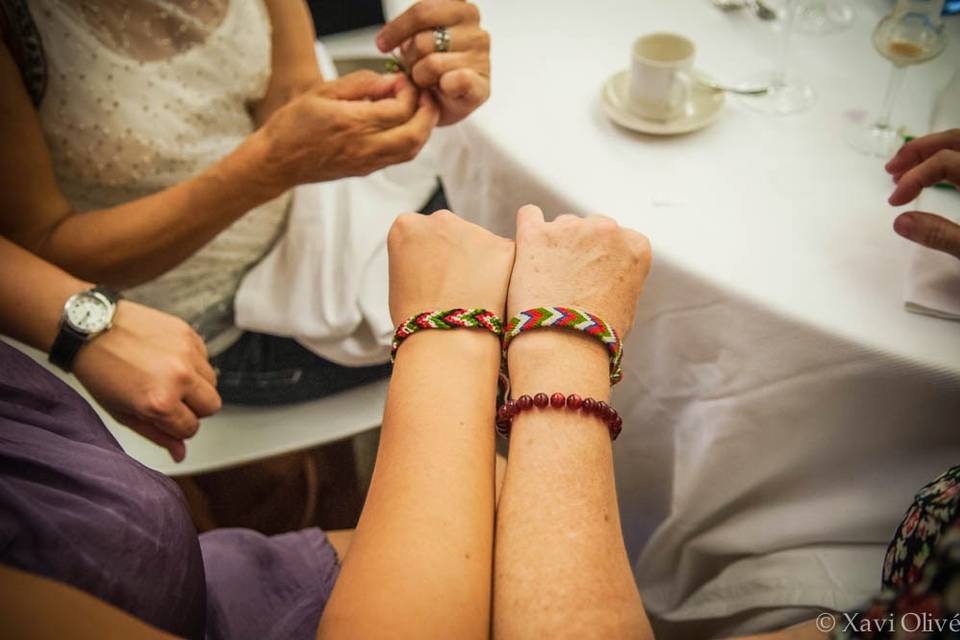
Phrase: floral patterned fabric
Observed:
(921, 572)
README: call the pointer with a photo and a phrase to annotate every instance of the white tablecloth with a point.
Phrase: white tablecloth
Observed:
(780, 405)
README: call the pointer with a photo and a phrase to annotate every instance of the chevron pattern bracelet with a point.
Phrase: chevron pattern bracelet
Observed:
(568, 318)
(447, 319)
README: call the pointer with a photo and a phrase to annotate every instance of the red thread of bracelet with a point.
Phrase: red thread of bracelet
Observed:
(587, 406)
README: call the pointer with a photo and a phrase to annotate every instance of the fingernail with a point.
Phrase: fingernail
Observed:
(381, 43)
(904, 225)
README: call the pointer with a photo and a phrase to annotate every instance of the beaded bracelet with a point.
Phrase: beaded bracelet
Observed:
(588, 406)
(448, 319)
(568, 318)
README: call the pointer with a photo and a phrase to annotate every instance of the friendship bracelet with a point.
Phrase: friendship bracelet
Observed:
(568, 318)
(449, 319)
(587, 406)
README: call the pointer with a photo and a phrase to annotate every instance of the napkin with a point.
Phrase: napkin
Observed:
(933, 278)
(325, 282)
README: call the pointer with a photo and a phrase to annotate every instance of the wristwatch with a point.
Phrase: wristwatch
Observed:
(85, 316)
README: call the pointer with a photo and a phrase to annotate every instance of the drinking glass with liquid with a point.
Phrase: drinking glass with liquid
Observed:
(911, 34)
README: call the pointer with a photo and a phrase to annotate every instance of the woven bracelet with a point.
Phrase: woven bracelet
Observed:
(448, 319)
(568, 318)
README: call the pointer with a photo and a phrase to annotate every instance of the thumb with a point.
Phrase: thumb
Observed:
(361, 85)
(930, 230)
(528, 216)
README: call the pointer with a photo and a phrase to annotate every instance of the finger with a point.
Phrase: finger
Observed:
(942, 165)
(402, 143)
(172, 417)
(919, 149)
(360, 85)
(424, 16)
(598, 220)
(202, 399)
(176, 446)
(206, 370)
(389, 112)
(930, 230)
(529, 217)
(199, 345)
(462, 38)
(427, 72)
(566, 218)
(466, 86)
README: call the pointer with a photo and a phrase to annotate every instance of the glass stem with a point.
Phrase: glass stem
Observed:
(783, 49)
(893, 88)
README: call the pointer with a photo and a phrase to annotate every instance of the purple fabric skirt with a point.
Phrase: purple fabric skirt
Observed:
(75, 508)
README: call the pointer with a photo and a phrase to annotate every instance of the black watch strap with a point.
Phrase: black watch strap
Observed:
(66, 346)
(69, 341)
(108, 293)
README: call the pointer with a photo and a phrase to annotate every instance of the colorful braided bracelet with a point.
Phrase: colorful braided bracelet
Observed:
(448, 319)
(568, 318)
(587, 406)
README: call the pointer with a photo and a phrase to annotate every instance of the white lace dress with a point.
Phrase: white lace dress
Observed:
(144, 94)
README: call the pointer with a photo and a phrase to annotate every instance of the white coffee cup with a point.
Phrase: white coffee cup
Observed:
(659, 75)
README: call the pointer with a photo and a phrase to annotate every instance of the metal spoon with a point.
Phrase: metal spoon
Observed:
(743, 91)
(763, 11)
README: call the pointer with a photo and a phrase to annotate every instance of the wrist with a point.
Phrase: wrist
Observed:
(556, 360)
(245, 173)
(468, 348)
(53, 310)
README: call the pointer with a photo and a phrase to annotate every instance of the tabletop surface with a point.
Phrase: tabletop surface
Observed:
(776, 209)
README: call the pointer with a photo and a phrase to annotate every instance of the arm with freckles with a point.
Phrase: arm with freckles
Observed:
(419, 564)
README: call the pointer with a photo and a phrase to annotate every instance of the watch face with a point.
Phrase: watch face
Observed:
(89, 313)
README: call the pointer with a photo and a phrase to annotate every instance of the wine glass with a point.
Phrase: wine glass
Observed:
(820, 17)
(911, 34)
(787, 94)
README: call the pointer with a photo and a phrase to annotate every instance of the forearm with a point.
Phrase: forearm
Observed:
(294, 67)
(32, 294)
(420, 562)
(139, 240)
(560, 568)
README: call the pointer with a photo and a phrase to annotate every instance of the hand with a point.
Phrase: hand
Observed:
(590, 263)
(150, 372)
(351, 126)
(921, 163)
(443, 262)
(459, 78)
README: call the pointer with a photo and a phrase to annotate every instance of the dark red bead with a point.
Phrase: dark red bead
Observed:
(617, 423)
(503, 414)
(614, 432)
(574, 401)
(524, 402)
(589, 404)
(605, 411)
(541, 400)
(557, 401)
(512, 408)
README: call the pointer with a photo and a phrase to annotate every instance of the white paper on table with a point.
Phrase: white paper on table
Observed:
(325, 283)
(933, 279)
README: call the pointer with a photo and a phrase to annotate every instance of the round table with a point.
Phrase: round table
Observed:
(780, 405)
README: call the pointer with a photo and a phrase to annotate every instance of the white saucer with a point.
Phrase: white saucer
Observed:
(703, 109)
